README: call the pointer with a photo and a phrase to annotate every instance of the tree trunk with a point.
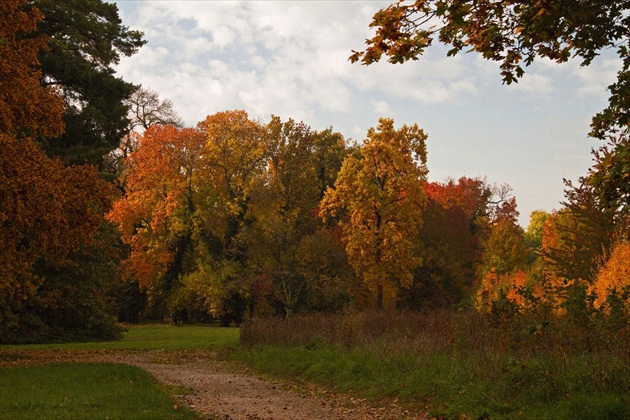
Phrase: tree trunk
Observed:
(379, 298)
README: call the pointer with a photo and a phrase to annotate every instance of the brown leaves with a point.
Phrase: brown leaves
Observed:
(26, 108)
(46, 210)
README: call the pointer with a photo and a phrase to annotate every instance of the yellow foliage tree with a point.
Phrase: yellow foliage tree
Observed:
(379, 198)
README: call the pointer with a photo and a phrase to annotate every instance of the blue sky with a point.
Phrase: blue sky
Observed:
(290, 59)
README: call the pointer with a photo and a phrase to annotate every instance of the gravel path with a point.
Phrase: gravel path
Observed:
(219, 390)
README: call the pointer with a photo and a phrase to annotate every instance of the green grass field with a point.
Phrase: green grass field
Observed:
(84, 391)
(100, 390)
(451, 365)
(152, 337)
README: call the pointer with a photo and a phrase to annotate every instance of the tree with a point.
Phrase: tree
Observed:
(155, 216)
(47, 210)
(26, 109)
(330, 151)
(504, 251)
(146, 109)
(85, 39)
(234, 159)
(513, 33)
(534, 231)
(576, 237)
(380, 199)
(613, 278)
(287, 247)
(610, 175)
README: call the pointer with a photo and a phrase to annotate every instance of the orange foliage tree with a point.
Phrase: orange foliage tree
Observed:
(47, 210)
(613, 278)
(158, 205)
(187, 205)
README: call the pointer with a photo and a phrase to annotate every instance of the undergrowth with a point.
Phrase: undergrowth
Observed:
(453, 363)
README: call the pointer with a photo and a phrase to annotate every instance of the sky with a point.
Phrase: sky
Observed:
(290, 59)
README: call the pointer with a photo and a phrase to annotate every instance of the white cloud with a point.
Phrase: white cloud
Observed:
(290, 58)
(595, 79)
(381, 108)
(534, 84)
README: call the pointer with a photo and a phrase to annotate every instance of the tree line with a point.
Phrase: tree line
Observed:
(112, 210)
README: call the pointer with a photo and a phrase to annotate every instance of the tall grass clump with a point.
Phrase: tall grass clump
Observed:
(455, 362)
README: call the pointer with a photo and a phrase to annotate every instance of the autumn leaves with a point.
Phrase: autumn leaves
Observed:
(380, 192)
(46, 208)
(236, 199)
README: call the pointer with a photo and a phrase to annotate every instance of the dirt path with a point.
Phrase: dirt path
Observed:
(222, 391)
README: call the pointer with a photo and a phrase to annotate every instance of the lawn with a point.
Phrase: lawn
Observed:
(100, 390)
(415, 362)
(151, 337)
(85, 391)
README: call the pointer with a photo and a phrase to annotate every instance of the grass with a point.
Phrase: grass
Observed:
(452, 365)
(84, 390)
(104, 391)
(151, 337)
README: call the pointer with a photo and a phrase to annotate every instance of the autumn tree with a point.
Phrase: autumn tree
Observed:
(46, 211)
(288, 246)
(504, 250)
(380, 198)
(457, 222)
(329, 152)
(534, 231)
(233, 161)
(155, 217)
(146, 109)
(613, 279)
(26, 109)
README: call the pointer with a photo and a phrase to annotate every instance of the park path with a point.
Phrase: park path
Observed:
(218, 389)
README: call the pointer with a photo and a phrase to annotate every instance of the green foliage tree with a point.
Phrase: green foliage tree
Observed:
(504, 250)
(609, 177)
(534, 231)
(577, 237)
(380, 198)
(85, 39)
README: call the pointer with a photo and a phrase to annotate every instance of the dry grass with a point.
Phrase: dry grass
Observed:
(460, 361)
